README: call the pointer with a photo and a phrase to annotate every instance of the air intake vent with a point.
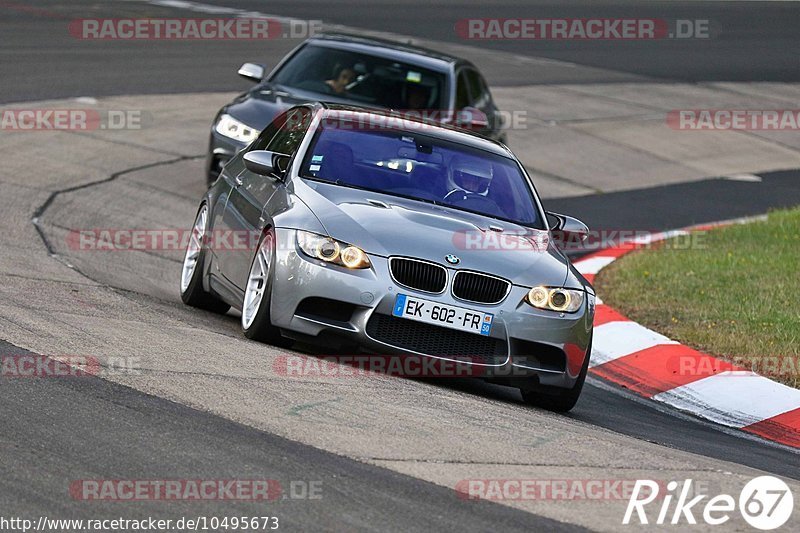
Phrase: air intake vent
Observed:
(437, 341)
(480, 288)
(419, 275)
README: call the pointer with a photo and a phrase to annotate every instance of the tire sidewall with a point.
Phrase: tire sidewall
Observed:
(194, 293)
(261, 328)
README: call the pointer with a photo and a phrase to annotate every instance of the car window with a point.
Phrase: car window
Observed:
(266, 134)
(285, 133)
(362, 78)
(422, 167)
(462, 91)
(291, 132)
(479, 95)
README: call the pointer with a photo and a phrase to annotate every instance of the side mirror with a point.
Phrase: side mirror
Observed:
(569, 226)
(472, 118)
(253, 72)
(266, 163)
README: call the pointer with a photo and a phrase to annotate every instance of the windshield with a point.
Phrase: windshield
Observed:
(362, 78)
(421, 167)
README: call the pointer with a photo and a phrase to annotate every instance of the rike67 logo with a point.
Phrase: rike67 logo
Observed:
(765, 503)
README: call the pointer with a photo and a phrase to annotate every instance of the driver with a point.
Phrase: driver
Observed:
(469, 176)
(342, 77)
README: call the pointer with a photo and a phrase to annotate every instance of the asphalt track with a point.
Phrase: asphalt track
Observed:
(748, 40)
(751, 41)
(106, 430)
(684, 204)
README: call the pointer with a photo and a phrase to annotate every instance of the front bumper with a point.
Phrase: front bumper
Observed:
(532, 343)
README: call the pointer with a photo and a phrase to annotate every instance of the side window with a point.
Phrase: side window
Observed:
(479, 95)
(285, 132)
(291, 131)
(462, 91)
(266, 135)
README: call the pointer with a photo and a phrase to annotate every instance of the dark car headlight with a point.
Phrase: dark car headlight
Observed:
(555, 299)
(332, 251)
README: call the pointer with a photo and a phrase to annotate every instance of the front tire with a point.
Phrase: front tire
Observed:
(256, 321)
(192, 292)
(558, 399)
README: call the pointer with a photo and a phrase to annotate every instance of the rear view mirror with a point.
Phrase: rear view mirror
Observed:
(266, 163)
(253, 72)
(569, 226)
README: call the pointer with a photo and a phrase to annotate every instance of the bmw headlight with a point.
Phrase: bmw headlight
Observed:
(238, 131)
(555, 299)
(332, 251)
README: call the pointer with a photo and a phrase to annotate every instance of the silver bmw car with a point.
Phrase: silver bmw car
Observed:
(365, 230)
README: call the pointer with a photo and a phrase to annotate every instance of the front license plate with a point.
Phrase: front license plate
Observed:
(440, 314)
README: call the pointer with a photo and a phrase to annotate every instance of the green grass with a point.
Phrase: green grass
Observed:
(735, 293)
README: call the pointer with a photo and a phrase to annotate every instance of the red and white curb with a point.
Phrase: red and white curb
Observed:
(653, 366)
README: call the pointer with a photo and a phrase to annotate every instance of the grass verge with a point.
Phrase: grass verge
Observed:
(733, 292)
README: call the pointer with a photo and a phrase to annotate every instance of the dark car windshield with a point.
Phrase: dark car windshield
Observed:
(421, 167)
(362, 78)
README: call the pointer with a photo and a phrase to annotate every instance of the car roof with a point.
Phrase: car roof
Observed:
(437, 129)
(405, 52)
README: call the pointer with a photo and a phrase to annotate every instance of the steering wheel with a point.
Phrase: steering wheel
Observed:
(453, 193)
(358, 80)
(472, 201)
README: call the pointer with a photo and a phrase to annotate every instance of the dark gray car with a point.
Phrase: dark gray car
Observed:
(354, 70)
(350, 227)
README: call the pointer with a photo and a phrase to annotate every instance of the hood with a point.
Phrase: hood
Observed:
(388, 225)
(260, 105)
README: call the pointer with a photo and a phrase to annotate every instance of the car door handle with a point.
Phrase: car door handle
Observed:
(238, 180)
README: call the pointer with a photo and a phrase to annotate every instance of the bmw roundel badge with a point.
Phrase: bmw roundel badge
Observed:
(452, 259)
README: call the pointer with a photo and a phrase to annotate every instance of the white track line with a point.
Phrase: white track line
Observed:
(734, 399)
(618, 339)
